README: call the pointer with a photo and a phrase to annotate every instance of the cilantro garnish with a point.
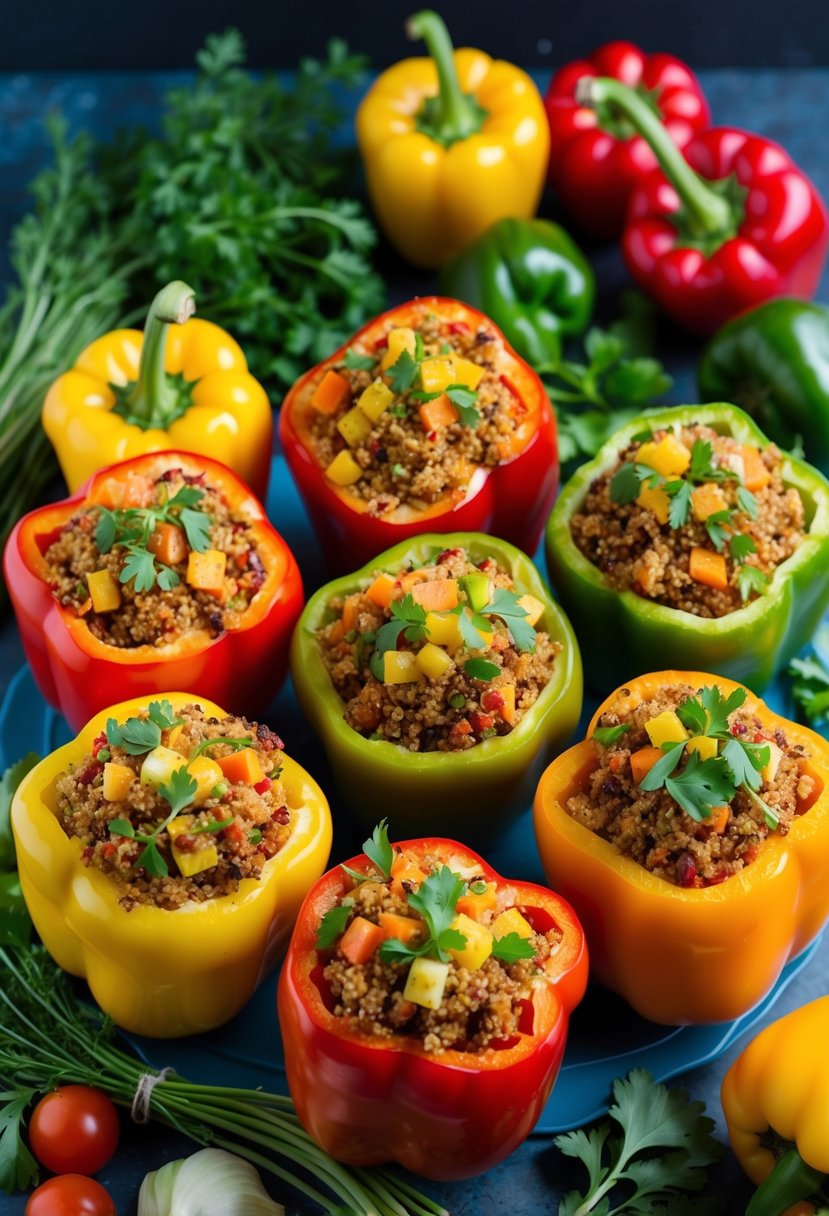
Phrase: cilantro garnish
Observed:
(132, 527)
(627, 482)
(481, 669)
(435, 901)
(810, 687)
(179, 791)
(357, 362)
(408, 618)
(332, 925)
(379, 852)
(465, 401)
(139, 735)
(751, 579)
(403, 373)
(235, 744)
(470, 626)
(504, 604)
(680, 505)
(608, 735)
(511, 948)
(716, 527)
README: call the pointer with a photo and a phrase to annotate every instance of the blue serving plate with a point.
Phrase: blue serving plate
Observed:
(607, 1038)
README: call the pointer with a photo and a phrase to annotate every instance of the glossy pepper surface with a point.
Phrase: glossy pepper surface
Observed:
(773, 1098)
(624, 633)
(774, 362)
(474, 792)
(450, 143)
(686, 955)
(76, 672)
(596, 157)
(511, 500)
(531, 278)
(159, 972)
(367, 1099)
(183, 383)
(721, 226)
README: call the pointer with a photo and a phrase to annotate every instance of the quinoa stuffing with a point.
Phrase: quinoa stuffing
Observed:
(174, 806)
(689, 783)
(693, 520)
(171, 559)
(408, 422)
(431, 952)
(440, 656)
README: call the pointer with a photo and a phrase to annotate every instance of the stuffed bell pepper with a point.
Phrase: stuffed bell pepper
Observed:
(424, 1005)
(437, 679)
(690, 832)
(163, 856)
(161, 572)
(691, 540)
(427, 420)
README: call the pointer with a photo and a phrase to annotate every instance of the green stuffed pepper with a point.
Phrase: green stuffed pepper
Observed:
(774, 362)
(691, 542)
(440, 678)
(532, 280)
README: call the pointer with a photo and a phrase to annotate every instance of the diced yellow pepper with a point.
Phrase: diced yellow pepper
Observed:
(344, 470)
(704, 746)
(666, 728)
(769, 771)
(354, 427)
(400, 667)
(437, 374)
(478, 943)
(206, 571)
(160, 764)
(468, 373)
(103, 591)
(707, 500)
(443, 629)
(375, 400)
(425, 983)
(117, 781)
(655, 500)
(511, 921)
(533, 608)
(196, 861)
(172, 735)
(669, 456)
(478, 904)
(507, 691)
(433, 661)
(206, 774)
(399, 340)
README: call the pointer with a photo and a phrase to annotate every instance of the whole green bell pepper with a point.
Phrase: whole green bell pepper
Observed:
(774, 362)
(623, 634)
(531, 278)
(470, 794)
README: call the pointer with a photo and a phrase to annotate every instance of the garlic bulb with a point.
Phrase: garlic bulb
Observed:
(210, 1183)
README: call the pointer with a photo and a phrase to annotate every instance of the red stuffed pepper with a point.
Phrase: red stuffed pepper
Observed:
(399, 1044)
(159, 573)
(596, 157)
(426, 421)
(719, 227)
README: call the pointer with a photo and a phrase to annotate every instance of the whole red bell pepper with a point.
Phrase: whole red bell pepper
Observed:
(511, 500)
(721, 226)
(445, 1116)
(79, 674)
(596, 157)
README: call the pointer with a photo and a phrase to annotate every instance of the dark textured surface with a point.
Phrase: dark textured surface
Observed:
(792, 107)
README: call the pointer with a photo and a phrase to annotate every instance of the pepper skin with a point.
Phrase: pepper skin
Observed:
(76, 672)
(623, 633)
(687, 955)
(774, 362)
(182, 383)
(450, 144)
(775, 1091)
(512, 500)
(475, 792)
(366, 1100)
(531, 278)
(596, 159)
(158, 972)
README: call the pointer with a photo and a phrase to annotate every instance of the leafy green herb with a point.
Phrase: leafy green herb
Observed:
(470, 626)
(702, 467)
(359, 362)
(708, 712)
(18, 1168)
(744, 761)
(9, 782)
(397, 470)
(679, 510)
(504, 604)
(627, 481)
(435, 901)
(132, 527)
(332, 925)
(511, 948)
(810, 687)
(716, 525)
(214, 825)
(751, 580)
(747, 502)
(179, 791)
(646, 1157)
(465, 402)
(139, 735)
(379, 852)
(408, 618)
(235, 744)
(15, 925)
(608, 735)
(480, 669)
(700, 786)
(403, 373)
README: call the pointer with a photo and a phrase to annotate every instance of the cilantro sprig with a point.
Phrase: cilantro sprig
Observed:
(608, 735)
(810, 688)
(511, 948)
(380, 853)
(404, 375)
(333, 925)
(139, 735)
(132, 527)
(504, 604)
(179, 792)
(434, 901)
(408, 619)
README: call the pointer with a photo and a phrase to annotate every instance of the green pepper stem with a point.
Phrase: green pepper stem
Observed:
(708, 212)
(790, 1181)
(455, 115)
(153, 400)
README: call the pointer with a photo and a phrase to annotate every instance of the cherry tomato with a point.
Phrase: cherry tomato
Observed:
(70, 1195)
(74, 1130)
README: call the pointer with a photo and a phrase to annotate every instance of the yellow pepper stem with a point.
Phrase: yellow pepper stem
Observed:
(790, 1181)
(155, 399)
(453, 114)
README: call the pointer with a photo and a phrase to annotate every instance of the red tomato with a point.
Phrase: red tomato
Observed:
(74, 1130)
(70, 1195)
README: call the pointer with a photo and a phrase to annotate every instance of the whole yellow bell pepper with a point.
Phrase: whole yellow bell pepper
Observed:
(775, 1099)
(155, 971)
(185, 388)
(451, 144)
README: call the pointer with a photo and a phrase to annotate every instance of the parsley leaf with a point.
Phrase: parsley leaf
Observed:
(379, 851)
(626, 483)
(18, 1168)
(512, 947)
(709, 711)
(163, 714)
(661, 771)
(700, 786)
(744, 761)
(408, 618)
(714, 526)
(504, 604)
(105, 531)
(140, 566)
(332, 925)
(747, 502)
(608, 735)
(179, 791)
(680, 508)
(403, 372)
(810, 687)
(481, 669)
(196, 527)
(121, 827)
(469, 627)
(751, 580)
(741, 545)
(435, 901)
(135, 736)
(358, 362)
(465, 402)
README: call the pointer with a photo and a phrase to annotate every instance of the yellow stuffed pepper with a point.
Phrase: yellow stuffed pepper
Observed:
(163, 856)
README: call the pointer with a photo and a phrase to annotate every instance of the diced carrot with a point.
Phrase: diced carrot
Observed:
(360, 940)
(241, 767)
(708, 568)
(380, 591)
(336, 631)
(475, 906)
(206, 571)
(508, 712)
(350, 612)
(403, 869)
(404, 928)
(330, 393)
(642, 762)
(718, 821)
(434, 415)
(411, 578)
(438, 595)
(134, 490)
(756, 475)
(168, 543)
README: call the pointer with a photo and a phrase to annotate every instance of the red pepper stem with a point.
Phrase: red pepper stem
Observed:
(454, 115)
(708, 211)
(790, 1181)
(153, 399)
